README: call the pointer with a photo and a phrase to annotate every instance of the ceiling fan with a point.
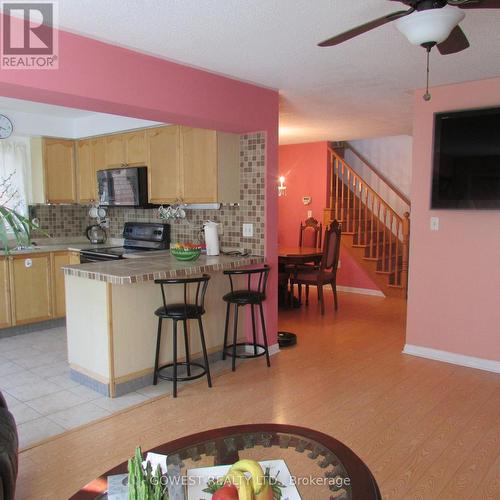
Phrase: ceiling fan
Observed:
(424, 18)
(427, 23)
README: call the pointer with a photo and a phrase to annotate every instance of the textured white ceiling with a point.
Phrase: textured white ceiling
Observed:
(361, 88)
(8, 104)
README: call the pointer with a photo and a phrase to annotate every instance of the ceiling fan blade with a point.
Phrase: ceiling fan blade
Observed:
(476, 4)
(347, 35)
(456, 42)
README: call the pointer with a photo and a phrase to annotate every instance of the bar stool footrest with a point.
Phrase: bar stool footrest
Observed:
(229, 350)
(182, 379)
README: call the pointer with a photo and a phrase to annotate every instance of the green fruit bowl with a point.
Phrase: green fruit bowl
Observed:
(185, 254)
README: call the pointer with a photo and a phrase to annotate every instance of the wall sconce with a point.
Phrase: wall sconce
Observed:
(282, 187)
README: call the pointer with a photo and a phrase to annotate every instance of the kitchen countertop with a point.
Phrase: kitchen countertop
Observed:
(158, 266)
(60, 245)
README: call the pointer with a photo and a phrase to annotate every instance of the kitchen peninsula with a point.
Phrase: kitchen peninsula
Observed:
(111, 326)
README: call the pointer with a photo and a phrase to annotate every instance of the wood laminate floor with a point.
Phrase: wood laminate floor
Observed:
(427, 430)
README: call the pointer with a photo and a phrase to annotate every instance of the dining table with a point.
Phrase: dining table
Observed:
(298, 255)
(288, 258)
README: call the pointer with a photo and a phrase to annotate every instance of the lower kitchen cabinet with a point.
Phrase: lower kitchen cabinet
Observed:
(30, 286)
(59, 259)
(5, 316)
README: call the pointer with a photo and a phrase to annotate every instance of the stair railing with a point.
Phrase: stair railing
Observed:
(374, 224)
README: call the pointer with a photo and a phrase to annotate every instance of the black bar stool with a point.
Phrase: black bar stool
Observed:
(182, 312)
(249, 296)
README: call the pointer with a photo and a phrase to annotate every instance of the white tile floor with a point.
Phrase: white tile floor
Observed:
(34, 378)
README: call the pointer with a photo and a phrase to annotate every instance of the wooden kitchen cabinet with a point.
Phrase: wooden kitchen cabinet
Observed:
(135, 148)
(30, 282)
(74, 258)
(91, 157)
(5, 316)
(193, 165)
(99, 153)
(115, 151)
(198, 165)
(163, 164)
(86, 181)
(124, 150)
(59, 170)
(58, 260)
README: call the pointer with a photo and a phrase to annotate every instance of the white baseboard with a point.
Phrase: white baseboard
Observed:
(273, 349)
(362, 291)
(453, 358)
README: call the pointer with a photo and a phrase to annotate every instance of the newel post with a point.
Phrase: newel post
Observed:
(406, 250)
(329, 212)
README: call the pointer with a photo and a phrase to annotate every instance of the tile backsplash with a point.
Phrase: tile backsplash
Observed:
(62, 221)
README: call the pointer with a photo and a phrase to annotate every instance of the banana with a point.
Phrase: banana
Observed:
(255, 471)
(238, 478)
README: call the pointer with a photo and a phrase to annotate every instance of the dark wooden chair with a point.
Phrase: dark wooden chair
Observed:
(310, 233)
(326, 272)
(309, 236)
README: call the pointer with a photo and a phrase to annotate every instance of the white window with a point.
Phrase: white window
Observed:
(14, 175)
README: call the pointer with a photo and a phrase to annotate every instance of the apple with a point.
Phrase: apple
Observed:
(228, 492)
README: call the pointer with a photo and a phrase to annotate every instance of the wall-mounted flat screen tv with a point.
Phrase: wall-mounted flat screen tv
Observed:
(466, 173)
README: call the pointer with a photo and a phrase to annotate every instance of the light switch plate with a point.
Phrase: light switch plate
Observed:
(309, 214)
(434, 223)
(247, 230)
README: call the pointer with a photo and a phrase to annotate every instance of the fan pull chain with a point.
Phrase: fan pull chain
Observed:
(427, 95)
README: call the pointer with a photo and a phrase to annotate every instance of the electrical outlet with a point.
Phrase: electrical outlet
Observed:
(247, 230)
(434, 223)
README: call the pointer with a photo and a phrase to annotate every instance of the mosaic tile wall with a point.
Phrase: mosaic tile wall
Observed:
(71, 220)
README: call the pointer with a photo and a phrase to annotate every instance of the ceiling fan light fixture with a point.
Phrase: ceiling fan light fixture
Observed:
(432, 25)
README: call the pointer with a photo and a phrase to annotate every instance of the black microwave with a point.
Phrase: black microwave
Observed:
(123, 187)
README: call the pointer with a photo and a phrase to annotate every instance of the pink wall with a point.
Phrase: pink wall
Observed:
(454, 282)
(102, 77)
(351, 274)
(305, 167)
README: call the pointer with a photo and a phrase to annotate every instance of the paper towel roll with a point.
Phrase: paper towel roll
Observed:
(211, 237)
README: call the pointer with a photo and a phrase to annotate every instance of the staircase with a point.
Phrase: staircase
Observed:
(372, 232)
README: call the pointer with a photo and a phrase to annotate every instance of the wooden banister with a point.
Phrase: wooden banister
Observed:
(378, 173)
(374, 224)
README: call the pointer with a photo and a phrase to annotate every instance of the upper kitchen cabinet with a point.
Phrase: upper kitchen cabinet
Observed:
(59, 170)
(163, 164)
(228, 168)
(90, 158)
(193, 165)
(123, 150)
(198, 165)
(210, 166)
(85, 177)
(98, 153)
(135, 148)
(115, 151)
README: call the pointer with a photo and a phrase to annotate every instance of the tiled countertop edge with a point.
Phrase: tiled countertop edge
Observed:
(173, 273)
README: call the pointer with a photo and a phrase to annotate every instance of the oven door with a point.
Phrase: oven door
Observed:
(86, 257)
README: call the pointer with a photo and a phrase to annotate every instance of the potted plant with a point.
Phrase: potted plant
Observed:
(12, 223)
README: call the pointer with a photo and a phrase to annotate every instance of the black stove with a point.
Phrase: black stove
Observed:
(138, 237)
